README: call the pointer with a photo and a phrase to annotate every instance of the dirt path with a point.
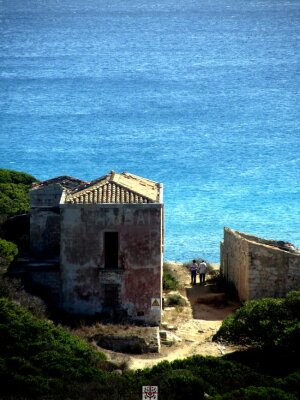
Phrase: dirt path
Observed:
(193, 325)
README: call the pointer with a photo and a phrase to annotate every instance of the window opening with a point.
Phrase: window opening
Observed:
(111, 249)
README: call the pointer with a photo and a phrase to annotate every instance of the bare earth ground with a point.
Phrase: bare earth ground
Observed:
(194, 324)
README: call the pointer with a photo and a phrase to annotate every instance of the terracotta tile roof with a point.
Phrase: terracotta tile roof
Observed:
(117, 188)
(67, 182)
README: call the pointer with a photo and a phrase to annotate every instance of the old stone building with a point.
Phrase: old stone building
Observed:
(108, 235)
(259, 267)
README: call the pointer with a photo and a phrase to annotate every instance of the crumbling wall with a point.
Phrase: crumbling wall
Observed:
(293, 275)
(138, 275)
(144, 340)
(273, 271)
(258, 267)
(235, 261)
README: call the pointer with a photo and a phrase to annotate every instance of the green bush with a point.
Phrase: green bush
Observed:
(37, 357)
(169, 280)
(274, 361)
(41, 361)
(257, 393)
(291, 383)
(14, 199)
(13, 289)
(264, 323)
(14, 196)
(179, 384)
(10, 176)
(8, 251)
(217, 375)
(174, 299)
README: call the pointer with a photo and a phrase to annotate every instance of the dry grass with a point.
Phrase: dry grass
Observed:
(89, 332)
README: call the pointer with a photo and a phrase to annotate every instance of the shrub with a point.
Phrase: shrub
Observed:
(292, 383)
(38, 357)
(8, 251)
(169, 280)
(14, 199)
(257, 393)
(274, 361)
(14, 196)
(264, 323)
(13, 289)
(10, 176)
(222, 375)
(174, 299)
(179, 384)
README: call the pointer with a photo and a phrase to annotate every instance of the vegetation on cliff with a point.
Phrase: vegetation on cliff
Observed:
(36, 357)
(169, 280)
(14, 187)
(8, 251)
(265, 323)
(41, 361)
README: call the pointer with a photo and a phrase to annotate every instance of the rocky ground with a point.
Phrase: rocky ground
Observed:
(187, 330)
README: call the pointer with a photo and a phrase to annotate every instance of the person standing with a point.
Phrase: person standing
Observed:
(193, 269)
(202, 271)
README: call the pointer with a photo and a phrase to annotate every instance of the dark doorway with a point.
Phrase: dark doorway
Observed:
(111, 249)
(111, 295)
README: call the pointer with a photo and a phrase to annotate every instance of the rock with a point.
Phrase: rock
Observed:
(169, 338)
(172, 327)
(117, 371)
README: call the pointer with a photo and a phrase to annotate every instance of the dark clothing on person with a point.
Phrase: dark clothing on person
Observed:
(193, 277)
(193, 269)
(202, 278)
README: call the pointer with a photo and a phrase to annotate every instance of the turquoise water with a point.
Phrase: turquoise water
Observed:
(202, 96)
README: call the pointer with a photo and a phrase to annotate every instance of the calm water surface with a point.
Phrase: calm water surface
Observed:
(202, 96)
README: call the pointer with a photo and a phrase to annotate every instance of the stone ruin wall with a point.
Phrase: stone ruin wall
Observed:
(272, 271)
(234, 262)
(258, 268)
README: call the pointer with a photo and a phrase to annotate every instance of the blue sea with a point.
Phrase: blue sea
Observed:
(201, 95)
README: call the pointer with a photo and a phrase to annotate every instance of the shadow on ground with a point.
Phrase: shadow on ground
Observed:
(209, 304)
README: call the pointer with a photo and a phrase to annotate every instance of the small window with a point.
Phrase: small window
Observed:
(111, 295)
(111, 249)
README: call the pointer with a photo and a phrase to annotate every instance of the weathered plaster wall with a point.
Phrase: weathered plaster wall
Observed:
(139, 272)
(45, 231)
(47, 281)
(258, 268)
(45, 220)
(46, 196)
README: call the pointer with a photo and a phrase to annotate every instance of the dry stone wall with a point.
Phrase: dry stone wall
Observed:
(258, 267)
(235, 261)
